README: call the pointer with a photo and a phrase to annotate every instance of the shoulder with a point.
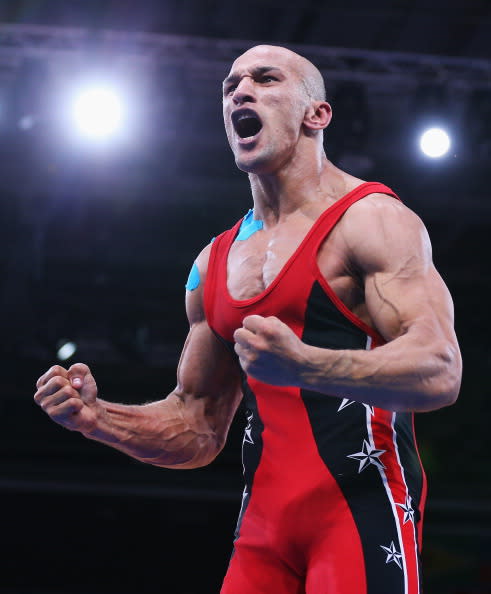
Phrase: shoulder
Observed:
(195, 286)
(202, 260)
(380, 228)
(196, 282)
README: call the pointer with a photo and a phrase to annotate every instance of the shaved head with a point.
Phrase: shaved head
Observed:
(273, 106)
(308, 74)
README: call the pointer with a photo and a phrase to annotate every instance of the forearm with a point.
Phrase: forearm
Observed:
(401, 376)
(159, 433)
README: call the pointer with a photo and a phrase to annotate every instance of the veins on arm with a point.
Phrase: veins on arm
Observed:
(394, 260)
(408, 303)
(188, 428)
(383, 304)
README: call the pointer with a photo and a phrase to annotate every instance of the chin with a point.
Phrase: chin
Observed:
(259, 164)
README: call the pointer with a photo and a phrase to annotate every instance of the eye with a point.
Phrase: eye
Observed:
(267, 78)
(230, 89)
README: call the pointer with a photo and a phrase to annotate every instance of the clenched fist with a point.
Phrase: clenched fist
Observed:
(69, 397)
(270, 351)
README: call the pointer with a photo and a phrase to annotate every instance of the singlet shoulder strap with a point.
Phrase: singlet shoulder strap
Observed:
(217, 263)
(359, 192)
(331, 215)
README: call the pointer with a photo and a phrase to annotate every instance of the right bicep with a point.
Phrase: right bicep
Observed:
(209, 375)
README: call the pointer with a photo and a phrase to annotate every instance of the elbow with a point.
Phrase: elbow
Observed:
(444, 385)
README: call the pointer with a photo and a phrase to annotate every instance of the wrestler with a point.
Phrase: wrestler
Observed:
(323, 310)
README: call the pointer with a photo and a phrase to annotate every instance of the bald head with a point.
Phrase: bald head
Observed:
(308, 74)
(273, 106)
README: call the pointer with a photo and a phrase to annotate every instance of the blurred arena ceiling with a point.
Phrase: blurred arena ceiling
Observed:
(441, 27)
(109, 235)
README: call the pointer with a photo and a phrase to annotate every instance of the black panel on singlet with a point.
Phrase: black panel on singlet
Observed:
(339, 433)
(408, 454)
(252, 443)
(252, 447)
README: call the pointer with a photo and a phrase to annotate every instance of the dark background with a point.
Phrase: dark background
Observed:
(97, 241)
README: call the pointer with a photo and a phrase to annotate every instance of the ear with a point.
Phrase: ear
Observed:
(318, 115)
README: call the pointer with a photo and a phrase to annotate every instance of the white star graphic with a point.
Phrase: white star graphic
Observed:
(248, 430)
(367, 456)
(347, 402)
(393, 556)
(407, 509)
(247, 435)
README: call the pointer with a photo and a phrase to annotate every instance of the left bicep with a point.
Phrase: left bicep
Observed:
(403, 290)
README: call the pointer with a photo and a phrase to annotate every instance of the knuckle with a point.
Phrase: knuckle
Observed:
(45, 406)
(64, 409)
(74, 404)
(57, 383)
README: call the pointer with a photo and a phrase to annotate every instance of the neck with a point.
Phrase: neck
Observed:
(300, 185)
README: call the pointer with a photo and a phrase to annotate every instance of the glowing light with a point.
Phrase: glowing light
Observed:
(66, 350)
(98, 112)
(435, 143)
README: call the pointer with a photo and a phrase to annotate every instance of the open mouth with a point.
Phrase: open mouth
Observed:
(246, 123)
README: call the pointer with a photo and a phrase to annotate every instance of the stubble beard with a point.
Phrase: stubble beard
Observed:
(259, 160)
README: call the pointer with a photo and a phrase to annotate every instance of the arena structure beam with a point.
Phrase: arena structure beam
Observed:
(211, 57)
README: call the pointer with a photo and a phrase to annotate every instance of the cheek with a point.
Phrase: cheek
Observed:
(228, 131)
(289, 117)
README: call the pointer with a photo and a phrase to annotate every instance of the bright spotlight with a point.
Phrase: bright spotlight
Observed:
(66, 350)
(98, 112)
(435, 142)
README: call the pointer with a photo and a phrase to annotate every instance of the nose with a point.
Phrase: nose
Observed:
(244, 91)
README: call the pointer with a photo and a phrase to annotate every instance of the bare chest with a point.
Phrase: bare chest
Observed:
(255, 263)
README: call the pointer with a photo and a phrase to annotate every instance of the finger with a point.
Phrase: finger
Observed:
(53, 385)
(253, 323)
(48, 401)
(243, 336)
(70, 405)
(52, 371)
(65, 409)
(243, 359)
(77, 374)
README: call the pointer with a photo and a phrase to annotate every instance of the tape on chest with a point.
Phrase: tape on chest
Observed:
(249, 226)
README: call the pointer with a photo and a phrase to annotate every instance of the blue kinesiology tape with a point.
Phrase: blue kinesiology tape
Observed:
(249, 226)
(193, 278)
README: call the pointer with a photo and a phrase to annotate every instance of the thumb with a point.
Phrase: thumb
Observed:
(77, 382)
(83, 381)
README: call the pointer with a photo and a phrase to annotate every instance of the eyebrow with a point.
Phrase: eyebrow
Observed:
(258, 71)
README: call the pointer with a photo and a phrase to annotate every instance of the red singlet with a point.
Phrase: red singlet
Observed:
(334, 489)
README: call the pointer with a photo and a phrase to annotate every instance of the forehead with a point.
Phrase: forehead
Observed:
(262, 57)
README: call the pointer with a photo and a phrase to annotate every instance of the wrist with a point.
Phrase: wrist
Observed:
(305, 359)
(98, 428)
